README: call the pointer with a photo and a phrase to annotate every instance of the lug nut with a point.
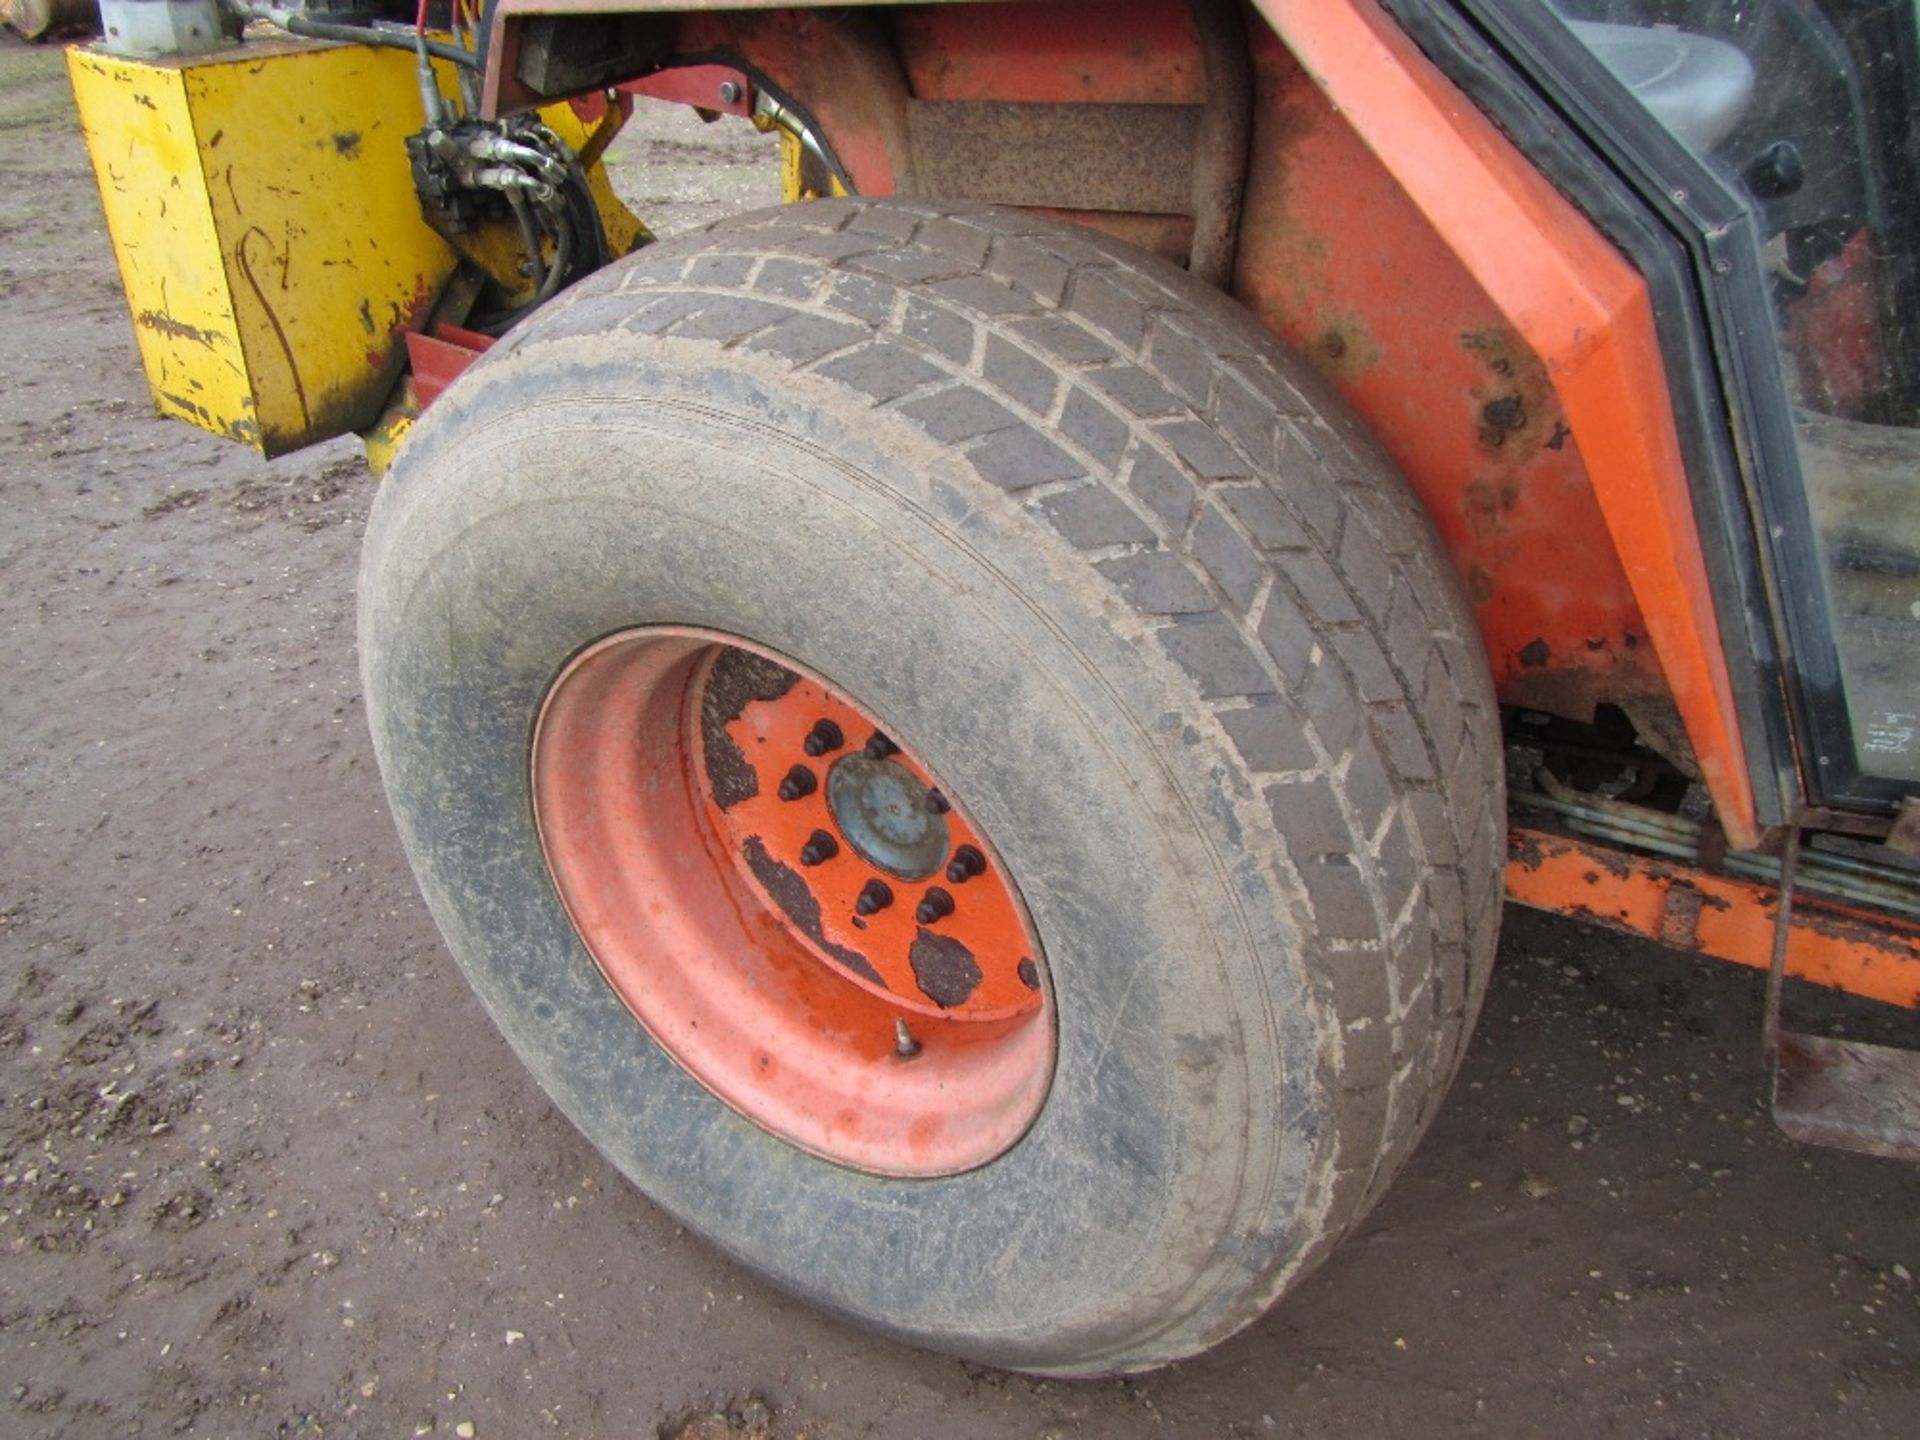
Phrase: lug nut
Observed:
(880, 747)
(875, 895)
(820, 847)
(967, 862)
(934, 907)
(937, 804)
(823, 739)
(798, 784)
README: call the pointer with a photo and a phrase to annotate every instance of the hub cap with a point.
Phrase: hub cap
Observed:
(882, 808)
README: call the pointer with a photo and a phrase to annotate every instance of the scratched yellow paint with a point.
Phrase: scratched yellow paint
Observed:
(266, 228)
(381, 440)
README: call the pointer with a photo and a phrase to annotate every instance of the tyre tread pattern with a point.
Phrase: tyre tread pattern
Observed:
(1233, 504)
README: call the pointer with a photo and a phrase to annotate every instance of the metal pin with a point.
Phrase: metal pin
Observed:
(904, 1045)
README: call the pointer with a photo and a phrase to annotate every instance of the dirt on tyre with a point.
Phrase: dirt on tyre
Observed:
(945, 550)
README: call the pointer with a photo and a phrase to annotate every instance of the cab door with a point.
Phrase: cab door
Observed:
(1757, 159)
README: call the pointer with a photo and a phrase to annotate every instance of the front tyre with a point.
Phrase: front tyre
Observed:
(1079, 565)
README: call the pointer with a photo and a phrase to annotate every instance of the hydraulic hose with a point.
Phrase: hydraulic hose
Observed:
(296, 23)
(531, 235)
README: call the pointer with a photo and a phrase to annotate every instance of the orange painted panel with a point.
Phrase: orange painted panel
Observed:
(1580, 308)
(1872, 955)
(1336, 259)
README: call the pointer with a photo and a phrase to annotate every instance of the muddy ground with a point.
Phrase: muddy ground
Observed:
(265, 1168)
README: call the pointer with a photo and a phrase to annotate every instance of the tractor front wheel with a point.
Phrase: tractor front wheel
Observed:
(955, 763)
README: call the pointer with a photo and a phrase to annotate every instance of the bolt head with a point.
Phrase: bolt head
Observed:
(967, 862)
(729, 92)
(823, 738)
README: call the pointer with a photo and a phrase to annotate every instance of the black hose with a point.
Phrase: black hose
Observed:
(596, 251)
(366, 35)
(562, 253)
(536, 263)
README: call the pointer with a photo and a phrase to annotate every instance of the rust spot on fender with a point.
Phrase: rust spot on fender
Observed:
(1487, 503)
(1345, 348)
(1516, 410)
(1526, 848)
(1500, 417)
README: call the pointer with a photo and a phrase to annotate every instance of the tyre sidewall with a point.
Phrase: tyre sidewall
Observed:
(600, 484)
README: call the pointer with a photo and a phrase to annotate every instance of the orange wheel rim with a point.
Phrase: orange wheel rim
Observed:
(792, 904)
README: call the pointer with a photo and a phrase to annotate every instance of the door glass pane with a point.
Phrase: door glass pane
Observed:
(1808, 108)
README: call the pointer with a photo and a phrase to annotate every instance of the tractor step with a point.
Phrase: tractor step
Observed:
(1848, 1094)
(1842, 1093)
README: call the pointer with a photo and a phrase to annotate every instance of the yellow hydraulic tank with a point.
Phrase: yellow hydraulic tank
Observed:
(263, 215)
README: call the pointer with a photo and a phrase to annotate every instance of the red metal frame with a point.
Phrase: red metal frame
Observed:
(1466, 405)
(438, 358)
(700, 86)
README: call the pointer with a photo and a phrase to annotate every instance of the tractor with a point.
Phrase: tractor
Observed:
(973, 728)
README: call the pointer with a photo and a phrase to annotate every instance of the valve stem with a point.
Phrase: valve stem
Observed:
(904, 1045)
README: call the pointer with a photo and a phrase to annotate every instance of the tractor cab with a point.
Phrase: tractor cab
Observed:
(1791, 128)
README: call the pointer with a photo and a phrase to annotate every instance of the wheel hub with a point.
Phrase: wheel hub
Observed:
(861, 900)
(791, 904)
